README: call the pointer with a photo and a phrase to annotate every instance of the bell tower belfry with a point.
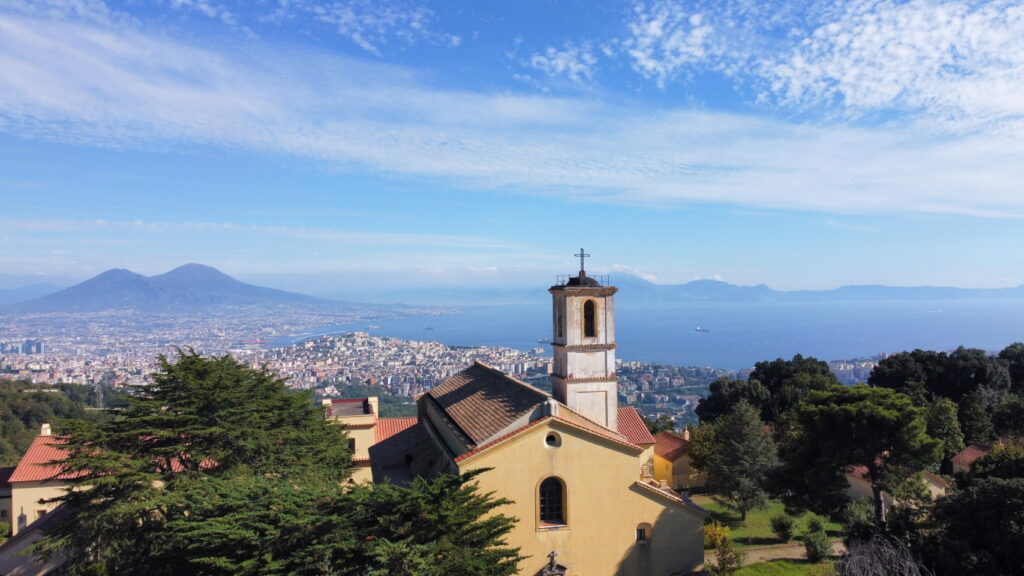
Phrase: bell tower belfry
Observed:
(583, 338)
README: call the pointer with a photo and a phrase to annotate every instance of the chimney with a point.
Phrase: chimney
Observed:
(686, 434)
(45, 430)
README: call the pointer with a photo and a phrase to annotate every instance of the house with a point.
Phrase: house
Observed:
(859, 485)
(964, 460)
(672, 461)
(575, 465)
(5, 499)
(364, 429)
(37, 480)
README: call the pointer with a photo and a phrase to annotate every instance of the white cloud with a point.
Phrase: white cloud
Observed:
(572, 61)
(955, 61)
(667, 40)
(371, 24)
(114, 85)
(204, 7)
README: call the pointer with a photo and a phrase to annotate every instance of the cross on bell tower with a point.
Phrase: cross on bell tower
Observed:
(583, 375)
(581, 256)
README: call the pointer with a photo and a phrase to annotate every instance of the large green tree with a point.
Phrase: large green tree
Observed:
(876, 428)
(211, 447)
(979, 530)
(743, 456)
(773, 388)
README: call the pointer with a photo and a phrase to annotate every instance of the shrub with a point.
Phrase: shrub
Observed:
(727, 558)
(815, 524)
(784, 526)
(818, 546)
(5, 531)
(858, 519)
(714, 534)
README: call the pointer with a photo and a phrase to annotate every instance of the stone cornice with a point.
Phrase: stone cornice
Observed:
(586, 347)
(612, 380)
(584, 290)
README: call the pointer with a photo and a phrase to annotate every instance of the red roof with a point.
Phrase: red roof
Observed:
(670, 446)
(632, 426)
(37, 463)
(858, 471)
(968, 455)
(388, 427)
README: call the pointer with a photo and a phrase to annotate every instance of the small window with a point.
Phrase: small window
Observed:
(553, 440)
(643, 533)
(351, 444)
(589, 319)
(552, 502)
(40, 513)
(3, 513)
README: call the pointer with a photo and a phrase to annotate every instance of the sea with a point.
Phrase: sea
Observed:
(731, 336)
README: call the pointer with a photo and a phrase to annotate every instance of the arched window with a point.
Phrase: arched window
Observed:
(643, 532)
(589, 319)
(552, 502)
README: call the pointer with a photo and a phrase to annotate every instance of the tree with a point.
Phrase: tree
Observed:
(979, 530)
(1013, 358)
(789, 381)
(876, 428)
(725, 393)
(214, 468)
(1003, 462)
(1008, 417)
(944, 426)
(744, 455)
(974, 418)
(879, 556)
(436, 527)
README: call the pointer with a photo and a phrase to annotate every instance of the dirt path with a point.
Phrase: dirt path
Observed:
(791, 551)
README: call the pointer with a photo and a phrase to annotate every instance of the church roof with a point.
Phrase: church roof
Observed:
(482, 400)
(631, 425)
(41, 461)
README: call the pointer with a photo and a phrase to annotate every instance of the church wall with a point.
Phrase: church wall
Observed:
(603, 506)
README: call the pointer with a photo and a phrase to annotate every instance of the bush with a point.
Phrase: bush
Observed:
(784, 526)
(727, 558)
(5, 531)
(715, 534)
(818, 546)
(815, 524)
(858, 519)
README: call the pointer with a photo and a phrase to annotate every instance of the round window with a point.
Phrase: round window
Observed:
(553, 440)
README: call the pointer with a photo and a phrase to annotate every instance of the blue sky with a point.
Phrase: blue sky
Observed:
(314, 145)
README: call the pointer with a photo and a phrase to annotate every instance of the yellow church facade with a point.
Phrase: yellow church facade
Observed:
(577, 468)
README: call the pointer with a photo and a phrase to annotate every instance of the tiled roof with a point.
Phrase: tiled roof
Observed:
(968, 455)
(858, 471)
(37, 463)
(574, 420)
(481, 400)
(388, 427)
(569, 415)
(631, 425)
(670, 446)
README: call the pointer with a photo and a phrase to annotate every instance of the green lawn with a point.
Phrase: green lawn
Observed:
(785, 568)
(757, 529)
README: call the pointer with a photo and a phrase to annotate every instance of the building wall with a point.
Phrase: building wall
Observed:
(25, 499)
(679, 474)
(603, 505)
(5, 512)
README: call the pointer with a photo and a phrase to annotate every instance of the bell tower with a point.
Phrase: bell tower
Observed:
(583, 338)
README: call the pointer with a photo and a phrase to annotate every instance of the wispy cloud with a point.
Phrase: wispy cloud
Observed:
(117, 85)
(667, 39)
(572, 61)
(371, 24)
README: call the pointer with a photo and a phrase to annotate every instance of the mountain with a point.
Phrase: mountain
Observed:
(190, 287)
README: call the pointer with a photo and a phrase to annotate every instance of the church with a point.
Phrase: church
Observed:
(577, 467)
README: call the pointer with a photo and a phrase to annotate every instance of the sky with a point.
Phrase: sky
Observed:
(317, 145)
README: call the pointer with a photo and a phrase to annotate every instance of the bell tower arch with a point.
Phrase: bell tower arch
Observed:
(583, 317)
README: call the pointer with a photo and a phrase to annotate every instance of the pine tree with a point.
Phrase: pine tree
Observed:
(744, 454)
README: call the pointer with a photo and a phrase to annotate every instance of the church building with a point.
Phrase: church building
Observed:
(577, 467)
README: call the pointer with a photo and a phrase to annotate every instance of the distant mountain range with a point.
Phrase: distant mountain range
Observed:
(195, 287)
(190, 287)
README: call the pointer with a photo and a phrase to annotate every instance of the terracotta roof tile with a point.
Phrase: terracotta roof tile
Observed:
(968, 455)
(388, 427)
(670, 446)
(481, 400)
(632, 426)
(37, 463)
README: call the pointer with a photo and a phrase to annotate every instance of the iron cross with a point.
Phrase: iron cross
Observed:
(581, 256)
